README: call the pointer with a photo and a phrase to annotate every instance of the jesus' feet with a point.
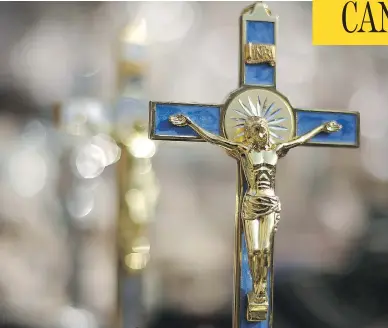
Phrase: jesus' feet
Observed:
(257, 307)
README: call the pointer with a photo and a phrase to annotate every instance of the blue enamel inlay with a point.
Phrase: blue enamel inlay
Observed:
(207, 117)
(260, 32)
(348, 135)
(259, 74)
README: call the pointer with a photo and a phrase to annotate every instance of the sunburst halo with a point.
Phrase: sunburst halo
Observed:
(269, 113)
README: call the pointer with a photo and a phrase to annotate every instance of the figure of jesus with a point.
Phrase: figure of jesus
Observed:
(260, 208)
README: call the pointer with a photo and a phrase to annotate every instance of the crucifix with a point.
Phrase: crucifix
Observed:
(257, 126)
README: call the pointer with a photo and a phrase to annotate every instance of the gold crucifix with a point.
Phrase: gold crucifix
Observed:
(257, 126)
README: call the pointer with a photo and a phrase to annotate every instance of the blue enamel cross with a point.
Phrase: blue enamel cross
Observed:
(257, 80)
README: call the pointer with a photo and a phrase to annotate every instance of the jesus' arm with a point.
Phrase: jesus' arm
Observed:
(182, 120)
(328, 127)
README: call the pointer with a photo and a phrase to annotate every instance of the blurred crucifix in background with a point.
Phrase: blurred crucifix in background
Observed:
(122, 135)
(257, 125)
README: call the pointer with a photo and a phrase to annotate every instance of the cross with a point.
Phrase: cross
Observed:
(256, 125)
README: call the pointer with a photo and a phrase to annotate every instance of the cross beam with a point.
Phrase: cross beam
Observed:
(209, 117)
(257, 81)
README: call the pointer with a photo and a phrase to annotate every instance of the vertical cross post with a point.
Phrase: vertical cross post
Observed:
(256, 100)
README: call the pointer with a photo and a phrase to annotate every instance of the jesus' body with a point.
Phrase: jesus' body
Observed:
(260, 208)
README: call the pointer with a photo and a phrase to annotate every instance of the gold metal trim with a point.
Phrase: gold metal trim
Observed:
(260, 54)
(151, 120)
(237, 248)
(256, 12)
(270, 320)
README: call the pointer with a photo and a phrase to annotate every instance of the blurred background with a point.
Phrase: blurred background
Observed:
(101, 227)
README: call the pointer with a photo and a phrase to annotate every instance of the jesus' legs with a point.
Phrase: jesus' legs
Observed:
(258, 236)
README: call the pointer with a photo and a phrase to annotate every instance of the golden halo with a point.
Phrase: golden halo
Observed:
(259, 103)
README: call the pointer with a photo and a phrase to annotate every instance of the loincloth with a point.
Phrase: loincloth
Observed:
(254, 207)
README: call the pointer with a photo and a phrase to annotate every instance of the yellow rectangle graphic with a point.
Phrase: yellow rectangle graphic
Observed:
(340, 22)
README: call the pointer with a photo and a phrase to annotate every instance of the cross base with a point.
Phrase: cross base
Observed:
(256, 310)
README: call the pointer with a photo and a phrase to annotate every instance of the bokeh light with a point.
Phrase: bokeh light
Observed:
(65, 179)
